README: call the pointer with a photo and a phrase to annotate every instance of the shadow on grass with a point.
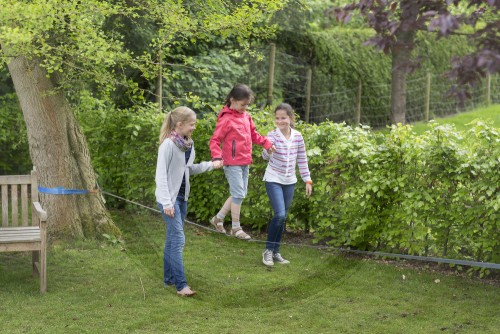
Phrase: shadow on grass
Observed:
(231, 269)
(144, 235)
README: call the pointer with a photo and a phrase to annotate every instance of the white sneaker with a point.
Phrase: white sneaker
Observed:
(278, 258)
(267, 257)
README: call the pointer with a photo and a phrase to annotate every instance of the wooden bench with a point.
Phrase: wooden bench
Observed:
(23, 229)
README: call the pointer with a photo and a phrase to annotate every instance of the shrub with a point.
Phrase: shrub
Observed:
(432, 194)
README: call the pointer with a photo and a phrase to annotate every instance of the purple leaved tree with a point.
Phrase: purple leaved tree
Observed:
(397, 22)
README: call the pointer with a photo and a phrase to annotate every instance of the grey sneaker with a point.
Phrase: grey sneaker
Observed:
(267, 257)
(278, 258)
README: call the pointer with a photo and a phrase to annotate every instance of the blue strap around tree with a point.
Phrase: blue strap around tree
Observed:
(62, 191)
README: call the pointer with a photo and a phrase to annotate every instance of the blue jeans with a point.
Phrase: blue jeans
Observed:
(280, 196)
(173, 267)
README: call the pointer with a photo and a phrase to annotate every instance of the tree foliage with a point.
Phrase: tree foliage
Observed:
(86, 41)
(444, 18)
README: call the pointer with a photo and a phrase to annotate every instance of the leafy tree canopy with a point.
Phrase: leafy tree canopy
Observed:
(392, 19)
(87, 41)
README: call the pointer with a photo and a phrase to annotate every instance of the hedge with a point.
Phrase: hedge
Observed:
(433, 194)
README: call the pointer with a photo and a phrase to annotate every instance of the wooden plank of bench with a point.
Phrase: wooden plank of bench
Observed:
(14, 207)
(19, 228)
(15, 179)
(5, 205)
(24, 204)
(34, 199)
(20, 239)
(19, 234)
(20, 247)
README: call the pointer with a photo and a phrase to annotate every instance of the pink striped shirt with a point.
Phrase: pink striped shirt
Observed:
(289, 153)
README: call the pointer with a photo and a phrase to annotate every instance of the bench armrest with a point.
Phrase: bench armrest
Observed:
(40, 212)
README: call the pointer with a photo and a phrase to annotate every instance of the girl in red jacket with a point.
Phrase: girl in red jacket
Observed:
(235, 131)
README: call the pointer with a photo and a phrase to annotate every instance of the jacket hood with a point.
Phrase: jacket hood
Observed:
(228, 111)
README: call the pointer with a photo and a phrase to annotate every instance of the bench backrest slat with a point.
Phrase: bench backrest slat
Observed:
(34, 196)
(17, 193)
(24, 203)
(5, 205)
(14, 206)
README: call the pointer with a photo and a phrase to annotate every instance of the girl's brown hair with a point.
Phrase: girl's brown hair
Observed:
(179, 114)
(289, 111)
(239, 92)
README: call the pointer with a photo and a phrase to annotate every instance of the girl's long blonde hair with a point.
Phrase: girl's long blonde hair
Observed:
(179, 114)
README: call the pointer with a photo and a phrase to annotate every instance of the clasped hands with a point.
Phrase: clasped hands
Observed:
(217, 164)
(271, 150)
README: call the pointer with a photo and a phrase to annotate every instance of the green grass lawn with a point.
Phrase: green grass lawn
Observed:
(98, 288)
(461, 120)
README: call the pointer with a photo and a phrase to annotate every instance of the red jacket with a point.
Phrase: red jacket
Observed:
(236, 132)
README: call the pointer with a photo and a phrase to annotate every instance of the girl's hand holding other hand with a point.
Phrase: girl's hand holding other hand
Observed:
(217, 164)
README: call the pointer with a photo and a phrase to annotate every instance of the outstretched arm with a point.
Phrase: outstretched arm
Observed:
(257, 138)
(266, 154)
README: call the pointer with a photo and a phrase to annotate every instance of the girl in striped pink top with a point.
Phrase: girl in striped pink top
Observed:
(280, 177)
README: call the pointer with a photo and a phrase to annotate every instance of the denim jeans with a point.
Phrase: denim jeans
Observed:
(280, 196)
(173, 267)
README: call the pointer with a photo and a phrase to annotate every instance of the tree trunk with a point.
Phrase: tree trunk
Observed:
(398, 88)
(59, 152)
(401, 61)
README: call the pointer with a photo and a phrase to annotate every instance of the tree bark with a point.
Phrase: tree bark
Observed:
(59, 152)
(398, 88)
(401, 61)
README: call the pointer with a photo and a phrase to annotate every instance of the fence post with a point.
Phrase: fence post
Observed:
(308, 94)
(488, 89)
(270, 77)
(159, 83)
(357, 112)
(427, 97)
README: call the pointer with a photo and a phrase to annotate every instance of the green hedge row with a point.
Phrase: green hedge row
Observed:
(433, 194)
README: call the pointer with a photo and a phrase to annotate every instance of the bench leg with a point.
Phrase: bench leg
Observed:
(43, 270)
(35, 261)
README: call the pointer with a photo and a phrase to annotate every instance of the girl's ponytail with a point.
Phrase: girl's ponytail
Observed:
(166, 127)
(179, 114)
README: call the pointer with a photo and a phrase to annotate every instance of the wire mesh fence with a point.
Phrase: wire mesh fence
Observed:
(364, 102)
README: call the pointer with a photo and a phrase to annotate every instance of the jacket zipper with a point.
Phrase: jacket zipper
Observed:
(233, 152)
